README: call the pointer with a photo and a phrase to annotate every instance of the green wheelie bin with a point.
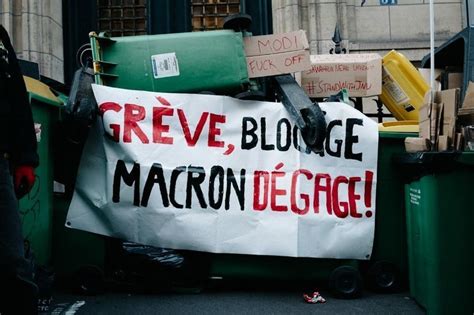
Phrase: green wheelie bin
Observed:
(440, 226)
(387, 270)
(341, 276)
(36, 208)
(184, 62)
(78, 256)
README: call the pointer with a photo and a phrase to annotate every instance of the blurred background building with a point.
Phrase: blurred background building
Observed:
(36, 31)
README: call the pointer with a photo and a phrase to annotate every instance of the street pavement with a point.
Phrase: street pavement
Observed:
(228, 300)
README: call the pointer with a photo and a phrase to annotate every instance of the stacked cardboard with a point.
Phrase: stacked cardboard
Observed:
(440, 129)
(437, 123)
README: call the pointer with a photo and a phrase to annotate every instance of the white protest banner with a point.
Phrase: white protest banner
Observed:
(218, 174)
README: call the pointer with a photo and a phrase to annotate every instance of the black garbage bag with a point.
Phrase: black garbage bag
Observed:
(146, 268)
(140, 268)
(71, 132)
(81, 106)
(161, 257)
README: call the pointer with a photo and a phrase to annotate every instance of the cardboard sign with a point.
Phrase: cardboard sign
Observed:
(275, 44)
(360, 74)
(267, 65)
(276, 54)
(217, 174)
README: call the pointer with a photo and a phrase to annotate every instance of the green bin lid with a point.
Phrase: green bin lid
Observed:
(41, 92)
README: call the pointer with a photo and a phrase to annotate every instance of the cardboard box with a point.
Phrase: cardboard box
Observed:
(443, 143)
(360, 74)
(276, 54)
(469, 96)
(438, 118)
(436, 112)
(458, 142)
(425, 124)
(450, 100)
(416, 144)
(426, 74)
(444, 79)
(466, 112)
(452, 80)
(431, 117)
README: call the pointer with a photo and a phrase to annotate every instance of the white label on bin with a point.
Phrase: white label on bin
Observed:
(415, 196)
(58, 187)
(165, 65)
(38, 132)
(393, 89)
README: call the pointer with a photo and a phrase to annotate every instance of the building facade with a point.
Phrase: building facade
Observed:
(371, 25)
(35, 28)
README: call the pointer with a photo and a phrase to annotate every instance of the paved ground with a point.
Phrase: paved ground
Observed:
(231, 301)
(129, 281)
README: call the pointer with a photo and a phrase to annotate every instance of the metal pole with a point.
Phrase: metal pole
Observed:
(432, 76)
(432, 56)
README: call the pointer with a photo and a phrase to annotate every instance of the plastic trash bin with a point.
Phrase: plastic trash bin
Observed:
(78, 256)
(184, 62)
(340, 275)
(456, 53)
(388, 269)
(36, 207)
(440, 225)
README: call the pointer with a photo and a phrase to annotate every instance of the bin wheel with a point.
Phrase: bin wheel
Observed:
(238, 22)
(346, 282)
(383, 276)
(89, 280)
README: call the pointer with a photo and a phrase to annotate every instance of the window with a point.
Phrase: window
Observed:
(122, 17)
(210, 14)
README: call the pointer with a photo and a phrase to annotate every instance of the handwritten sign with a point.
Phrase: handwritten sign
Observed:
(217, 174)
(277, 54)
(360, 74)
(275, 44)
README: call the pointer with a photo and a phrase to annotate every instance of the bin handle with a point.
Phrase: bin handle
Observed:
(308, 116)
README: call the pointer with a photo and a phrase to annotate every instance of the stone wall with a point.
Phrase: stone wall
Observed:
(35, 27)
(371, 27)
